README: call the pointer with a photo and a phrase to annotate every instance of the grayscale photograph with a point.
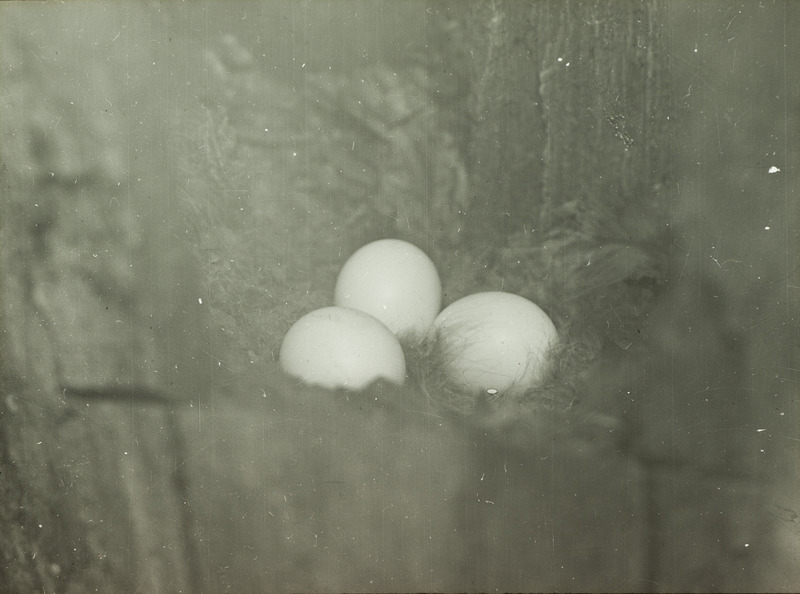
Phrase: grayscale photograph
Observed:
(399, 296)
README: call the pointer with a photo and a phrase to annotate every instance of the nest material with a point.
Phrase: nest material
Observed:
(287, 182)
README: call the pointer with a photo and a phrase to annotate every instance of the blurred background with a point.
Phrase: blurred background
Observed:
(156, 246)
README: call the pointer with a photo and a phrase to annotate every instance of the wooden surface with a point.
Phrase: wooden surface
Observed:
(140, 452)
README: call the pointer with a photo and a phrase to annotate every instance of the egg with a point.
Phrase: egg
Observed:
(394, 281)
(493, 342)
(340, 347)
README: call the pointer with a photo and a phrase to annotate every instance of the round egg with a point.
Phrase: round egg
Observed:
(340, 347)
(395, 282)
(493, 342)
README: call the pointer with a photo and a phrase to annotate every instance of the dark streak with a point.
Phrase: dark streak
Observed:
(138, 394)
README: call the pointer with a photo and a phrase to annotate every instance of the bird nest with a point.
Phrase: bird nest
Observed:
(288, 179)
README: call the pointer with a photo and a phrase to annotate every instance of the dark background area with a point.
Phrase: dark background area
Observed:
(147, 442)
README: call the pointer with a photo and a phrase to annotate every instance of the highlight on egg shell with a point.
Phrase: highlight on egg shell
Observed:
(340, 347)
(394, 281)
(494, 343)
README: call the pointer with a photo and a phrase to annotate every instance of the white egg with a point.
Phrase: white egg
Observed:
(493, 342)
(340, 347)
(395, 282)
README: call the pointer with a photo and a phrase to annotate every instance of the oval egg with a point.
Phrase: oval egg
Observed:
(395, 282)
(493, 342)
(340, 347)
